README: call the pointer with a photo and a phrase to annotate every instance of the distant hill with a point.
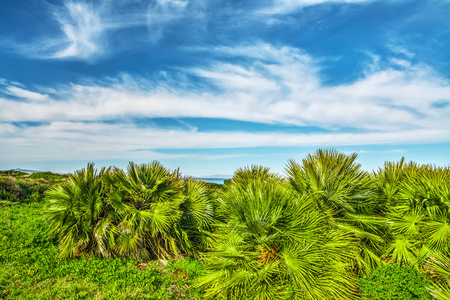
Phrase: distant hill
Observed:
(27, 171)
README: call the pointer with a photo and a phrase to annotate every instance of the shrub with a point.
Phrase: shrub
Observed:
(147, 212)
(48, 176)
(14, 190)
(9, 189)
(394, 282)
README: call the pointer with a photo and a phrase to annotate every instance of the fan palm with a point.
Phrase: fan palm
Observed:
(198, 215)
(419, 214)
(440, 266)
(76, 210)
(343, 193)
(149, 196)
(247, 175)
(273, 246)
(147, 211)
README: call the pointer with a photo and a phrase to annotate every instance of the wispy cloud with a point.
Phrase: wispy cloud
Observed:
(388, 104)
(161, 13)
(277, 85)
(76, 140)
(85, 29)
(288, 6)
(25, 94)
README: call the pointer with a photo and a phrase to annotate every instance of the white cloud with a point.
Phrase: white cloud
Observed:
(60, 140)
(276, 85)
(83, 30)
(270, 85)
(161, 13)
(288, 6)
(25, 94)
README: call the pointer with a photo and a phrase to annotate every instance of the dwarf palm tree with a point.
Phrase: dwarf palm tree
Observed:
(149, 196)
(147, 211)
(247, 175)
(76, 208)
(419, 215)
(273, 246)
(343, 193)
(198, 215)
(440, 266)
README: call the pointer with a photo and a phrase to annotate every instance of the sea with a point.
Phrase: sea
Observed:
(214, 180)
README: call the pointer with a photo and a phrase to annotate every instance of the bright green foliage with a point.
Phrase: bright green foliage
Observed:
(392, 282)
(145, 208)
(332, 179)
(441, 291)
(439, 266)
(273, 246)
(30, 268)
(146, 212)
(418, 210)
(247, 175)
(198, 215)
(14, 190)
(338, 188)
(77, 214)
(307, 236)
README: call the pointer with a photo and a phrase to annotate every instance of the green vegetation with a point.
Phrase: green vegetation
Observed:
(47, 176)
(30, 268)
(148, 212)
(16, 186)
(328, 230)
(392, 282)
(274, 245)
(18, 191)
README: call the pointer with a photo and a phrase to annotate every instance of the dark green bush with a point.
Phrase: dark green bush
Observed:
(9, 189)
(13, 173)
(14, 190)
(393, 282)
(47, 176)
(33, 191)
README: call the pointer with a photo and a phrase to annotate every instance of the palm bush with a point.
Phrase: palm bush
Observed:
(338, 188)
(247, 175)
(146, 202)
(418, 211)
(439, 267)
(198, 215)
(146, 212)
(77, 213)
(274, 246)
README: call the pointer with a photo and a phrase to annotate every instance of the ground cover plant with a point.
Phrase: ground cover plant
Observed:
(325, 230)
(30, 267)
(392, 282)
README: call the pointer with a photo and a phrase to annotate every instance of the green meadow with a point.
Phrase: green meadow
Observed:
(326, 229)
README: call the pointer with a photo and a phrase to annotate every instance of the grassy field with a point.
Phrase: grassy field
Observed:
(30, 268)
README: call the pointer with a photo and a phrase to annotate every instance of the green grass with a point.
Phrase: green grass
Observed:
(30, 269)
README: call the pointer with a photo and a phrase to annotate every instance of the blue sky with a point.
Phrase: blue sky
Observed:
(211, 86)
